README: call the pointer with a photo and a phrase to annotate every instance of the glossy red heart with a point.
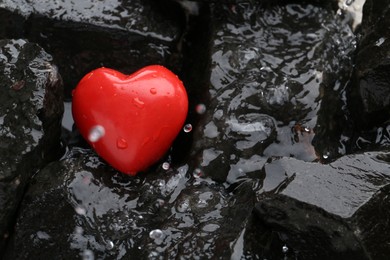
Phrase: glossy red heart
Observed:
(130, 121)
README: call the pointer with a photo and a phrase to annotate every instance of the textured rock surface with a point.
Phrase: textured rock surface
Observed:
(30, 114)
(266, 82)
(371, 81)
(124, 35)
(111, 215)
(268, 70)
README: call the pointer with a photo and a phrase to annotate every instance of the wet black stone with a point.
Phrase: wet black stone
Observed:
(370, 88)
(266, 71)
(111, 215)
(125, 35)
(30, 113)
(327, 211)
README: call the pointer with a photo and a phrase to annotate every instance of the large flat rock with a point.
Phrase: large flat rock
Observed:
(331, 210)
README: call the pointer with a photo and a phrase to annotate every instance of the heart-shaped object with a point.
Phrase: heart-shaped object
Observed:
(130, 120)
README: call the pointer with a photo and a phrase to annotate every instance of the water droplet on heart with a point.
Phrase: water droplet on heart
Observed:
(153, 91)
(96, 133)
(200, 109)
(88, 255)
(166, 165)
(121, 143)
(138, 102)
(183, 207)
(187, 128)
(156, 234)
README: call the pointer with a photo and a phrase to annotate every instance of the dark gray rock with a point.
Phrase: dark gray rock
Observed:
(31, 108)
(370, 88)
(81, 206)
(124, 35)
(331, 211)
(267, 70)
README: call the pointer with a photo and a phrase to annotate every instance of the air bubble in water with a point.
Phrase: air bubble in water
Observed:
(88, 255)
(96, 133)
(187, 128)
(166, 165)
(200, 109)
(284, 249)
(156, 234)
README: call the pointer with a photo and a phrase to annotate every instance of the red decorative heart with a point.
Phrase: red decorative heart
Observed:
(131, 121)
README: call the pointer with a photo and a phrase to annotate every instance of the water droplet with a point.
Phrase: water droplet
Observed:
(325, 156)
(187, 128)
(96, 133)
(197, 173)
(153, 255)
(88, 255)
(80, 210)
(284, 249)
(153, 91)
(166, 165)
(200, 109)
(109, 245)
(138, 102)
(79, 230)
(156, 234)
(202, 203)
(121, 143)
(183, 207)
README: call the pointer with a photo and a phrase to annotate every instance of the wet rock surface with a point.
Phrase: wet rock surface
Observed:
(165, 214)
(371, 84)
(271, 103)
(30, 115)
(269, 69)
(327, 205)
(125, 35)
